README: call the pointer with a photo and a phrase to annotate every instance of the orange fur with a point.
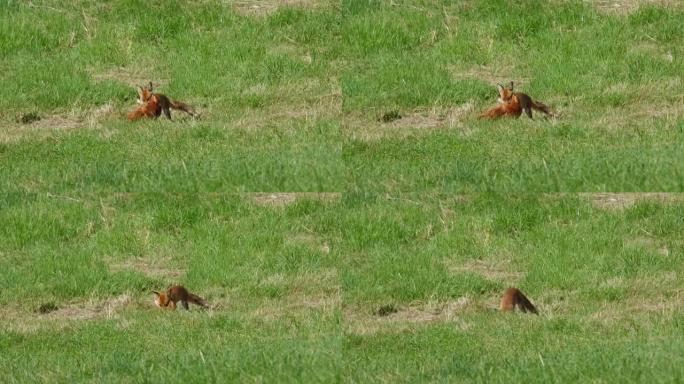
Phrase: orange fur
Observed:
(154, 104)
(513, 298)
(513, 104)
(175, 294)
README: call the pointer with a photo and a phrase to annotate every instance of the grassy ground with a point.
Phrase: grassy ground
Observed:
(331, 245)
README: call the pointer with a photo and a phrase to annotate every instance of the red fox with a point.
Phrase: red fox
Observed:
(153, 104)
(513, 104)
(175, 294)
(513, 298)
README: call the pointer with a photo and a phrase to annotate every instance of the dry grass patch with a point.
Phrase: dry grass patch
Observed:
(646, 295)
(309, 100)
(282, 199)
(64, 315)
(628, 6)
(59, 121)
(261, 8)
(319, 290)
(416, 122)
(362, 321)
(620, 201)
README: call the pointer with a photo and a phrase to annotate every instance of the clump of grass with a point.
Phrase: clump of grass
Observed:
(386, 310)
(47, 307)
(28, 118)
(390, 116)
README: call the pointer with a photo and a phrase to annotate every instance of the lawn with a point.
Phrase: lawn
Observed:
(332, 244)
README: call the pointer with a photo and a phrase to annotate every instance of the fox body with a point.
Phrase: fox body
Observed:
(513, 104)
(513, 298)
(175, 294)
(154, 104)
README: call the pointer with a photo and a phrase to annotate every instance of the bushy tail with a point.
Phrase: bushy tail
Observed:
(525, 304)
(542, 107)
(197, 300)
(183, 107)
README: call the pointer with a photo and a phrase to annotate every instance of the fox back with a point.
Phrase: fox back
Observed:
(523, 100)
(513, 298)
(175, 294)
(163, 104)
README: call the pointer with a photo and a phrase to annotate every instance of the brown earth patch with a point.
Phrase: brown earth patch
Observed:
(56, 122)
(370, 128)
(27, 321)
(281, 199)
(266, 7)
(362, 321)
(620, 201)
(628, 6)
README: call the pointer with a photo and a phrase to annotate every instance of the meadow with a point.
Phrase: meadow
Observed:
(331, 244)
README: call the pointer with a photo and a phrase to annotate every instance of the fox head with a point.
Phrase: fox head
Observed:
(505, 93)
(144, 93)
(161, 300)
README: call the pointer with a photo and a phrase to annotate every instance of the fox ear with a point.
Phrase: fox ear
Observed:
(511, 85)
(499, 87)
(151, 87)
(156, 293)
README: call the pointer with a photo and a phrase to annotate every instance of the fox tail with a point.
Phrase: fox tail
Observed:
(525, 304)
(183, 107)
(199, 301)
(542, 107)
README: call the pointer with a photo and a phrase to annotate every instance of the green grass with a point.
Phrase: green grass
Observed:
(332, 246)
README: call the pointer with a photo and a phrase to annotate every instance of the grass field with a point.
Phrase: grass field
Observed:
(334, 246)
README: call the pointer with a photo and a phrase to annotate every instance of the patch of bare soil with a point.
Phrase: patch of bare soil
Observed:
(64, 314)
(281, 199)
(619, 201)
(150, 268)
(628, 6)
(45, 125)
(360, 321)
(266, 7)
(370, 128)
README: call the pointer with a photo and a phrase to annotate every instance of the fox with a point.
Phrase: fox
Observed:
(175, 294)
(154, 104)
(513, 298)
(513, 104)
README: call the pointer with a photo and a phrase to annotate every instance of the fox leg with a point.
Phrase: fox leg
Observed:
(167, 112)
(528, 112)
(184, 304)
